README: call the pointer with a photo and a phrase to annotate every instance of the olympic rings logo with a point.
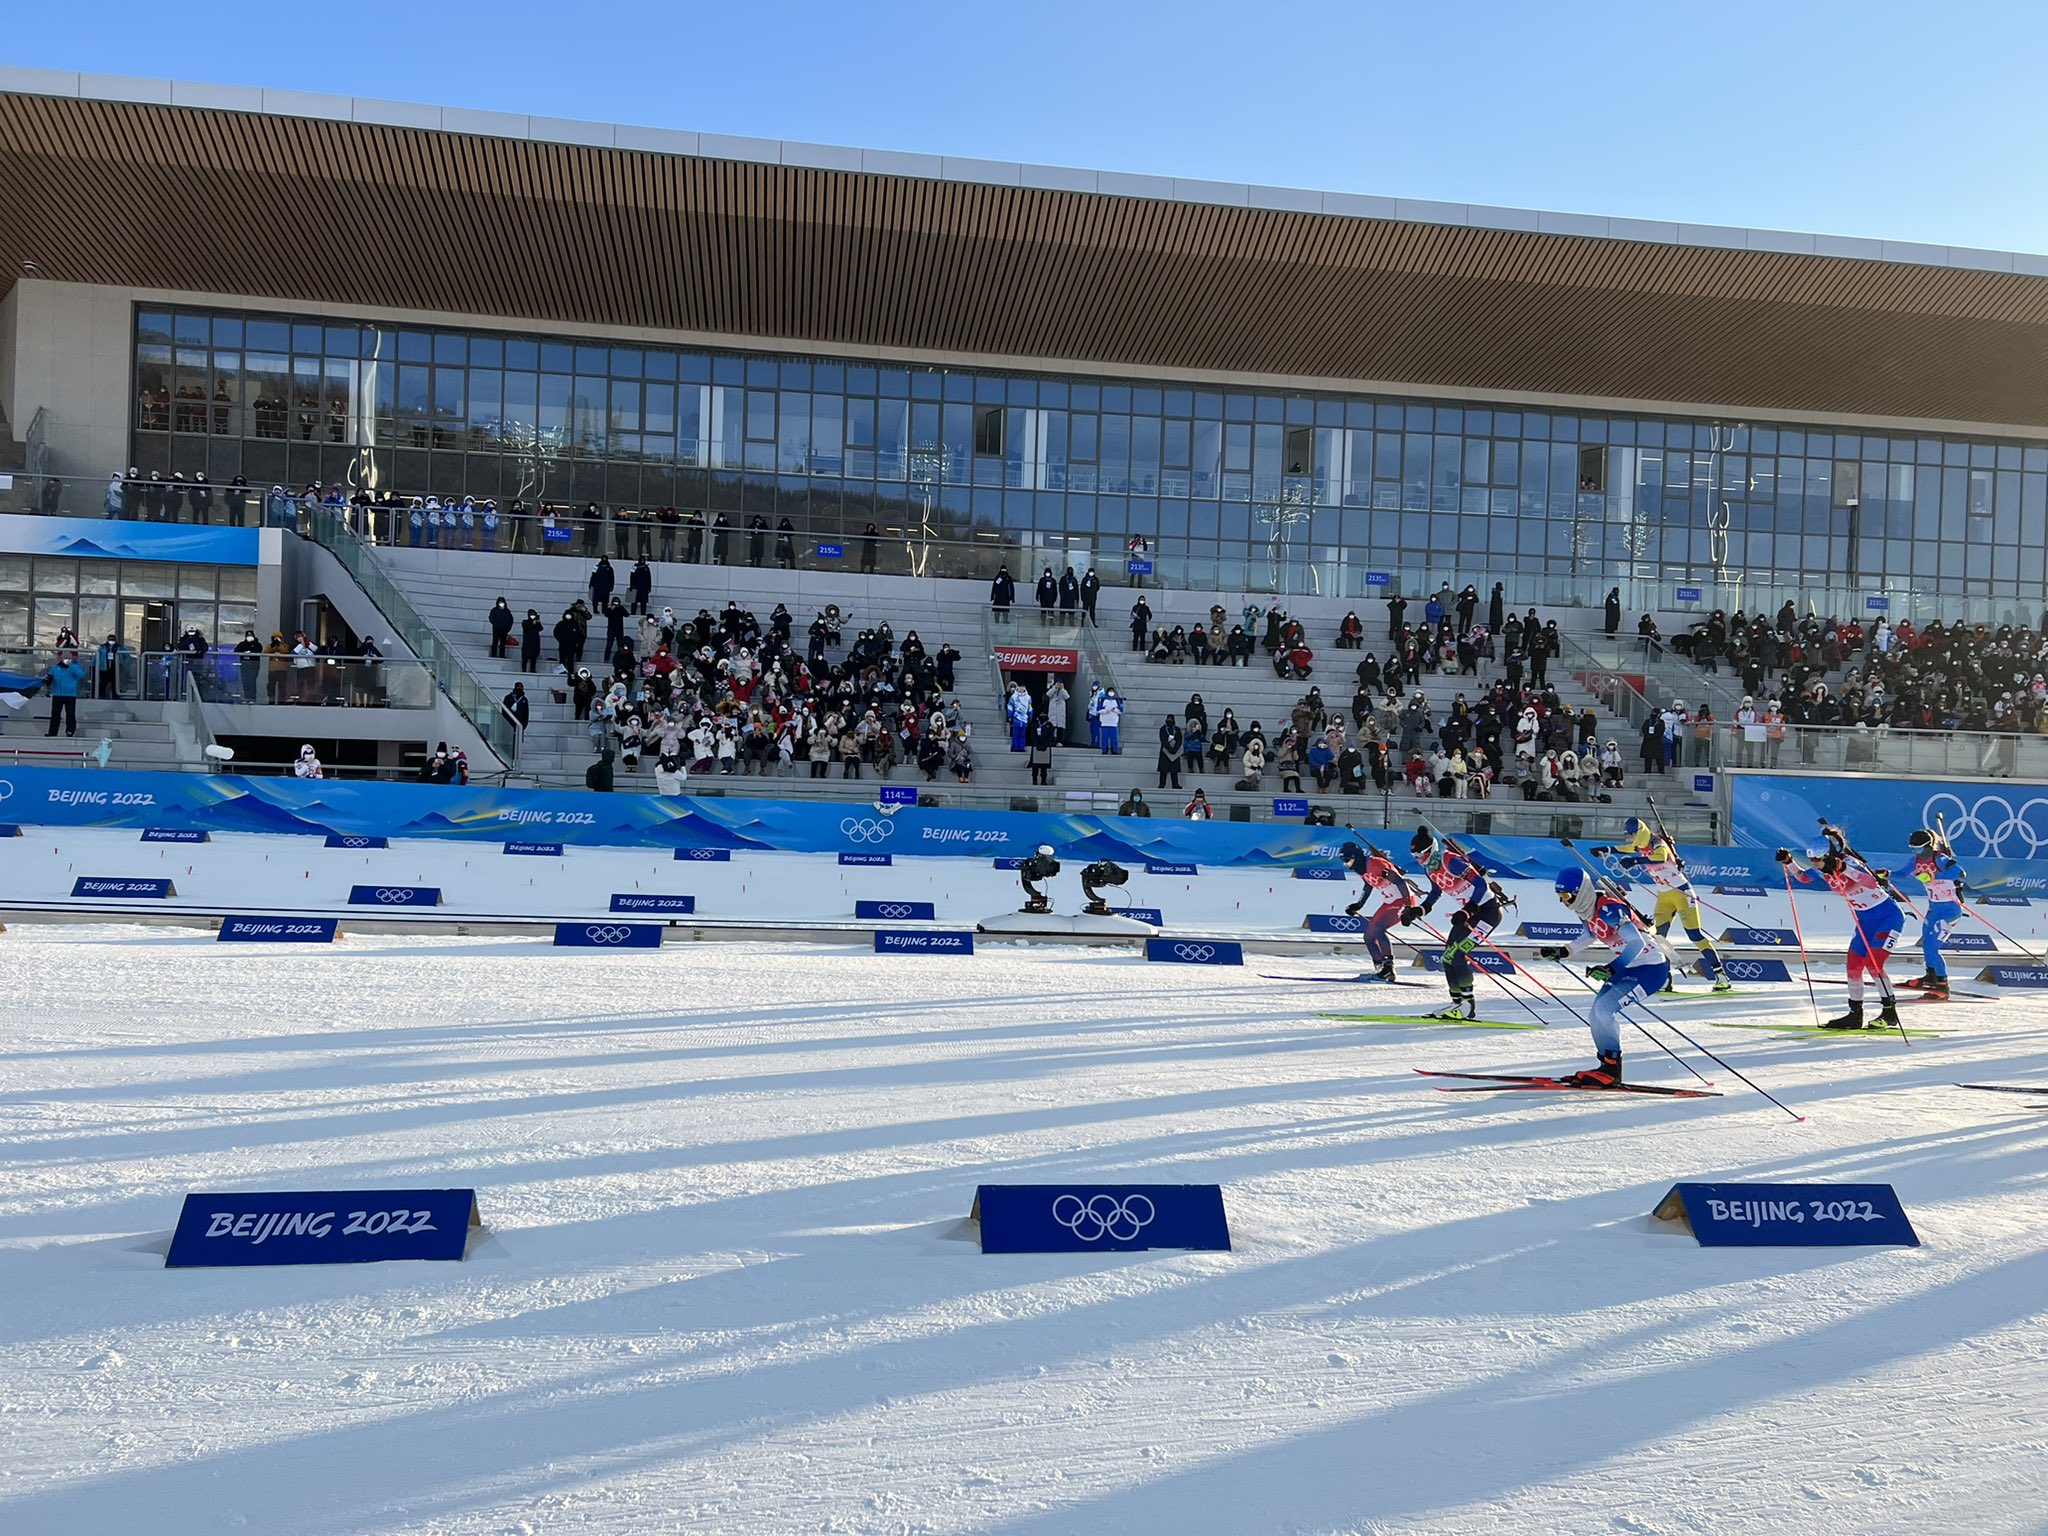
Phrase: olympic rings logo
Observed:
(893, 909)
(346, 842)
(866, 829)
(1743, 970)
(1344, 922)
(607, 933)
(1196, 952)
(1101, 1216)
(394, 896)
(702, 853)
(1991, 821)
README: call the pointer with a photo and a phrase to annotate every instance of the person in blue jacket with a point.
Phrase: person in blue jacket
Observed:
(65, 680)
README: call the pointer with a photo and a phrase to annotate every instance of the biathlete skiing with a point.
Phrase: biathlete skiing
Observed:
(1452, 872)
(1638, 965)
(1651, 856)
(1935, 866)
(1876, 916)
(1397, 896)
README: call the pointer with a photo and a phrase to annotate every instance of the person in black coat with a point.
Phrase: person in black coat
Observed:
(868, 535)
(1496, 608)
(785, 544)
(1613, 609)
(569, 635)
(501, 627)
(1002, 592)
(757, 538)
(1091, 585)
(1141, 623)
(1048, 591)
(947, 659)
(516, 705)
(530, 631)
(640, 582)
(602, 580)
(1070, 592)
(720, 539)
(1171, 742)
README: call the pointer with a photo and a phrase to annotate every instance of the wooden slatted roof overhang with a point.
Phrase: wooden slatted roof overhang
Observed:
(310, 210)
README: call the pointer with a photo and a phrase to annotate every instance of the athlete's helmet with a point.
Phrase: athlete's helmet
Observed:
(1921, 839)
(1635, 833)
(1577, 892)
(1423, 843)
(1820, 851)
(1351, 853)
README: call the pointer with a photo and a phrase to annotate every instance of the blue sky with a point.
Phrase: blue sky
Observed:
(1903, 121)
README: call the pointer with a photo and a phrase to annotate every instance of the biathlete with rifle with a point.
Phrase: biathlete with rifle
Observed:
(1452, 872)
(1638, 965)
(1398, 897)
(1935, 866)
(1876, 916)
(1652, 856)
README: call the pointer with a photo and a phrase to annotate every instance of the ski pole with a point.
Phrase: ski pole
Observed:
(2015, 943)
(1511, 992)
(1718, 1061)
(1588, 985)
(1884, 985)
(1792, 901)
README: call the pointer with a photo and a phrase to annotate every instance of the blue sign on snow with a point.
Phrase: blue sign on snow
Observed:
(394, 895)
(1009, 863)
(648, 901)
(322, 1227)
(1098, 1218)
(277, 930)
(175, 835)
(1318, 872)
(1790, 1215)
(1333, 922)
(1760, 938)
(1490, 960)
(1765, 969)
(1155, 868)
(1195, 951)
(865, 860)
(896, 911)
(537, 850)
(1989, 901)
(89, 885)
(2015, 975)
(1554, 933)
(1741, 890)
(607, 935)
(1973, 943)
(1143, 915)
(356, 840)
(705, 855)
(9, 829)
(917, 941)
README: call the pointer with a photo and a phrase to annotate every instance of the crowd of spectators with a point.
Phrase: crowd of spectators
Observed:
(732, 695)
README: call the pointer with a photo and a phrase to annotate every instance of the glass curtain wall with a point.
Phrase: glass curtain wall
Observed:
(1247, 479)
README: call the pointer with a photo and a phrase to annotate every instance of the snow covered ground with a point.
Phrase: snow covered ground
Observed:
(728, 1288)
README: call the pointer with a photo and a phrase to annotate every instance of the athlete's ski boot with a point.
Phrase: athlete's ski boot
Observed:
(1670, 987)
(1604, 1073)
(1935, 989)
(1888, 1016)
(1458, 1008)
(1386, 970)
(1853, 1019)
(1722, 983)
(1919, 982)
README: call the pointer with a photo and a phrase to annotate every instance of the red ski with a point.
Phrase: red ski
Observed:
(1491, 1082)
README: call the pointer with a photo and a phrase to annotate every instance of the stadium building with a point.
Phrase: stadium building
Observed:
(1276, 388)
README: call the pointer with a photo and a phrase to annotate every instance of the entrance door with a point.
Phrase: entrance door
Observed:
(148, 626)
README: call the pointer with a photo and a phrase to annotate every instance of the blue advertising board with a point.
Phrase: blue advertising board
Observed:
(1969, 943)
(1319, 872)
(107, 539)
(394, 895)
(607, 935)
(705, 855)
(1290, 805)
(1760, 938)
(1009, 863)
(9, 829)
(1790, 1215)
(126, 890)
(2031, 977)
(897, 794)
(557, 535)
(1143, 915)
(831, 551)
(175, 835)
(1155, 867)
(1989, 901)
(1098, 1218)
(1688, 594)
(1489, 960)
(277, 930)
(536, 850)
(1877, 604)
(1553, 933)
(922, 941)
(1703, 783)
(356, 840)
(1137, 567)
(637, 901)
(895, 911)
(1195, 951)
(1333, 922)
(1377, 578)
(322, 1227)
(867, 860)
(1763, 968)
(1742, 890)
